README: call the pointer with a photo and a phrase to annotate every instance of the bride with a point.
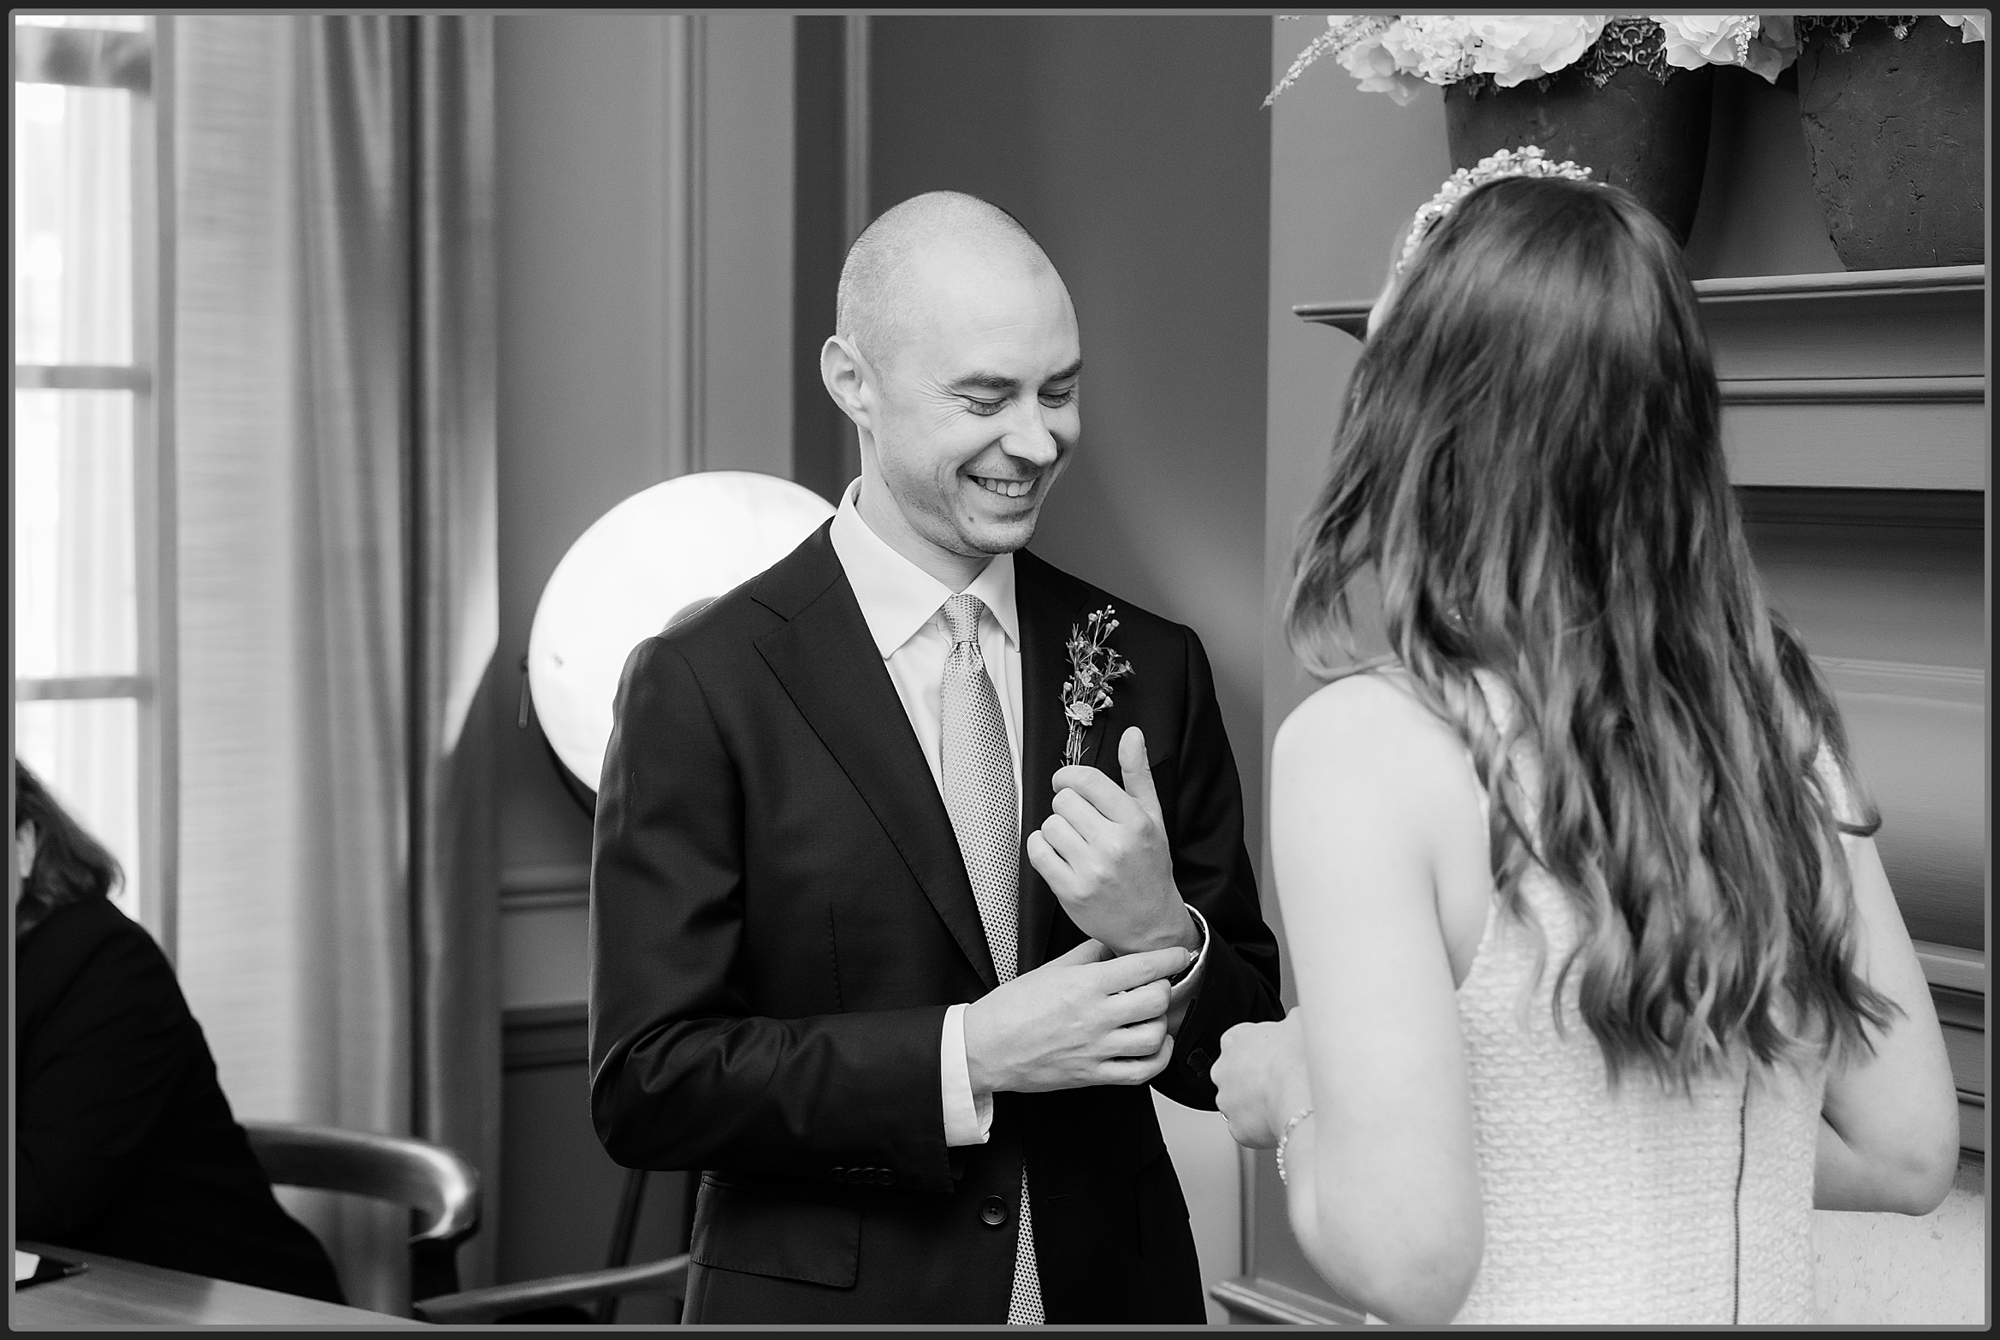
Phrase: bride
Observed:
(1602, 986)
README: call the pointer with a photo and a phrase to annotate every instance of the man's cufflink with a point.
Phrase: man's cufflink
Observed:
(1194, 959)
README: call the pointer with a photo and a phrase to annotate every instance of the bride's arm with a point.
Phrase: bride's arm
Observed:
(1384, 1186)
(1888, 1135)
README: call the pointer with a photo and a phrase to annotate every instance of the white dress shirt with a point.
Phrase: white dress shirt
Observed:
(903, 607)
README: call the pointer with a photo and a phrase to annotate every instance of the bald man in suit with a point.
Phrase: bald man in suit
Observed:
(865, 950)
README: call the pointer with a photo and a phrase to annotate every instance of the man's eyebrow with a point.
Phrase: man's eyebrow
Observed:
(985, 381)
(993, 381)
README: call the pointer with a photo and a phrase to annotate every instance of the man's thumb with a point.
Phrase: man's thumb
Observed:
(1137, 770)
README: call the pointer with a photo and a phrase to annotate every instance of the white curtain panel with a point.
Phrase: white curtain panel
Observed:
(337, 597)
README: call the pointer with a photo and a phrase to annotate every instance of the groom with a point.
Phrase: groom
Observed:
(863, 948)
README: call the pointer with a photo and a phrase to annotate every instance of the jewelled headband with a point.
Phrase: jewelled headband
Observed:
(1527, 161)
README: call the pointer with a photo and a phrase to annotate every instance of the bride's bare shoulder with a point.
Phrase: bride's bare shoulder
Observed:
(1368, 721)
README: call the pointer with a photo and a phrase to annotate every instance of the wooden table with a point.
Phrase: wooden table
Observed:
(124, 1293)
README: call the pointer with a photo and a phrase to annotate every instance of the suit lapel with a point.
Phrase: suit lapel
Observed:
(1045, 621)
(829, 664)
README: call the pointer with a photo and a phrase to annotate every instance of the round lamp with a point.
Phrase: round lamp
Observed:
(657, 557)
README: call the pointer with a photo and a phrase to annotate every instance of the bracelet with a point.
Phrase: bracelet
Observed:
(1290, 1126)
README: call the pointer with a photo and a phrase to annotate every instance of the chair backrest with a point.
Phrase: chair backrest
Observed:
(440, 1187)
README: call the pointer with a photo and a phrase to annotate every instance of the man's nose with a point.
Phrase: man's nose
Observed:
(1031, 441)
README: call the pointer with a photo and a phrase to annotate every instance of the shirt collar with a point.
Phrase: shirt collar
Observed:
(897, 597)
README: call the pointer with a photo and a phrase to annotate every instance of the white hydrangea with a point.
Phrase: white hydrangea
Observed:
(1971, 27)
(1695, 40)
(1762, 44)
(1437, 48)
(1515, 48)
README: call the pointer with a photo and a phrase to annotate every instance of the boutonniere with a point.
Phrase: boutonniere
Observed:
(1092, 666)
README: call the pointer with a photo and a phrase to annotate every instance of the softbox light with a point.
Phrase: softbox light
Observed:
(656, 557)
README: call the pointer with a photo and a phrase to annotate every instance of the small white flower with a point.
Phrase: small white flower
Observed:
(1971, 27)
(1775, 46)
(1082, 713)
(1375, 69)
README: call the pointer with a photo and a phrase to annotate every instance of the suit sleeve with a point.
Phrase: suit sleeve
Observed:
(684, 1072)
(115, 1051)
(1239, 976)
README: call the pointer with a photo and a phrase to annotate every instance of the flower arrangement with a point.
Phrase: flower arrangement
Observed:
(1399, 54)
(1093, 666)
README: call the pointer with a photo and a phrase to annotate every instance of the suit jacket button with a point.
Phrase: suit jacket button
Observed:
(993, 1211)
(1198, 1061)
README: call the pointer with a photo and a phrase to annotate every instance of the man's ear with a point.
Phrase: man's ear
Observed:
(847, 377)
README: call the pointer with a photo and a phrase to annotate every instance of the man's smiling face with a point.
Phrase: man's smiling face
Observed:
(974, 409)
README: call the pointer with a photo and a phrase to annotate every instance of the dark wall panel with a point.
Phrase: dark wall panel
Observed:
(824, 456)
(562, 1189)
(1136, 150)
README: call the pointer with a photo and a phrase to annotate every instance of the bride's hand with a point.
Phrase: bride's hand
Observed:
(1260, 1080)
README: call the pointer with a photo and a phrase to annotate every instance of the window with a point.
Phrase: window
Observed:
(93, 577)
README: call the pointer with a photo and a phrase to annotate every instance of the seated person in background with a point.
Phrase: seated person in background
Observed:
(124, 1143)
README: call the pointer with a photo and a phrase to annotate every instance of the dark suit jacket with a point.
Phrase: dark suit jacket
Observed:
(780, 916)
(124, 1143)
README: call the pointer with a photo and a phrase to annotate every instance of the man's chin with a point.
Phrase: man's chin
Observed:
(996, 538)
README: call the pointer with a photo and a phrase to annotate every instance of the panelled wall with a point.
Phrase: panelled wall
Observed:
(645, 177)
(1855, 422)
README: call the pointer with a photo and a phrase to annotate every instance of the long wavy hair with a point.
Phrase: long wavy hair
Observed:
(1530, 464)
(70, 865)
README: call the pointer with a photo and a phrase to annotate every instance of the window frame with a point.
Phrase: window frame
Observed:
(141, 63)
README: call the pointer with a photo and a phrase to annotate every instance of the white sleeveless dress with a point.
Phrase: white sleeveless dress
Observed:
(1640, 1207)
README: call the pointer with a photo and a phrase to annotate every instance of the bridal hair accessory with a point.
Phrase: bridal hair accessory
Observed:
(1283, 1139)
(1527, 161)
(1093, 666)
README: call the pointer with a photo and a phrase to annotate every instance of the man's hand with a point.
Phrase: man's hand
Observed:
(1260, 1080)
(1104, 853)
(1082, 1019)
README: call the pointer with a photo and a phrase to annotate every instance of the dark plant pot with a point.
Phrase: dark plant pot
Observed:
(1636, 132)
(1896, 133)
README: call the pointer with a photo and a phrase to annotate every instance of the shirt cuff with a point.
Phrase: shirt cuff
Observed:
(1182, 988)
(968, 1117)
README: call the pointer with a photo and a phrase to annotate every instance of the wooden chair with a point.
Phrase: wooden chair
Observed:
(441, 1189)
(563, 1298)
(558, 1298)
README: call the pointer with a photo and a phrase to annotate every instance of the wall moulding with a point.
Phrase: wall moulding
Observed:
(1252, 1300)
(534, 1037)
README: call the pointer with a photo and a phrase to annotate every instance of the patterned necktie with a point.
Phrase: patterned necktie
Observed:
(978, 768)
